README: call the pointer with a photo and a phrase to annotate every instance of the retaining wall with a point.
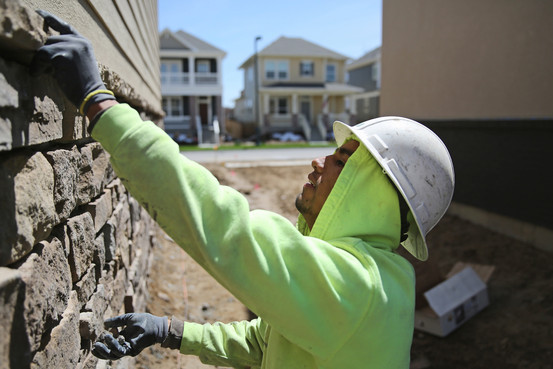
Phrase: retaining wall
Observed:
(75, 247)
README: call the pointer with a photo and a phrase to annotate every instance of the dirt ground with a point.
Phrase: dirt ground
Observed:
(514, 331)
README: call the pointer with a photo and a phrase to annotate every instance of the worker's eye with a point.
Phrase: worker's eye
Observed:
(340, 163)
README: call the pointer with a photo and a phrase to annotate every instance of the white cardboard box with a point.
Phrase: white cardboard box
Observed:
(455, 300)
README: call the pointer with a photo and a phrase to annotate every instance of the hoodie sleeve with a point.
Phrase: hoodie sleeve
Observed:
(312, 293)
(236, 344)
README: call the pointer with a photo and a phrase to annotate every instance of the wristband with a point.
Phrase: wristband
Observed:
(90, 95)
(174, 336)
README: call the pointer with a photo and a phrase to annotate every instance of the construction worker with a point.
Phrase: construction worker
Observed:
(330, 292)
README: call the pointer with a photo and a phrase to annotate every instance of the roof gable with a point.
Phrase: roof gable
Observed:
(295, 46)
(196, 43)
(368, 58)
(168, 40)
(185, 41)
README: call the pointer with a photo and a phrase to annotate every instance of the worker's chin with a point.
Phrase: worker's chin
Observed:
(300, 204)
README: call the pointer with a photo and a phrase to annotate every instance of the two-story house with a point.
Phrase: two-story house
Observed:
(365, 73)
(191, 87)
(301, 88)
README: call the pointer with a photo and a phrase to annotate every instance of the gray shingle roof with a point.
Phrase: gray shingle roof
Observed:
(367, 58)
(187, 42)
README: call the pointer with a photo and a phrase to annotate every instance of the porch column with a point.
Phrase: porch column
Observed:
(266, 117)
(295, 110)
(219, 71)
(219, 112)
(352, 109)
(191, 70)
(192, 110)
(326, 104)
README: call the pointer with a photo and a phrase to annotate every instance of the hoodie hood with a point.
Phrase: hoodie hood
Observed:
(363, 204)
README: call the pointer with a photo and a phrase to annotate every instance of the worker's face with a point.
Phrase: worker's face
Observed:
(321, 181)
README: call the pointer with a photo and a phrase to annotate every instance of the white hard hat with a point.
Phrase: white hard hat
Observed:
(419, 165)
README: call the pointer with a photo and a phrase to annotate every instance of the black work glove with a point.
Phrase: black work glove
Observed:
(70, 58)
(141, 330)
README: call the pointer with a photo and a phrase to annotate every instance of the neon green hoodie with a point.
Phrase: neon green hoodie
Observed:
(335, 297)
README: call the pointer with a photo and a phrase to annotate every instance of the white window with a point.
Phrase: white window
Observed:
(172, 106)
(249, 74)
(307, 69)
(276, 69)
(282, 70)
(270, 69)
(203, 66)
(331, 72)
(170, 71)
(278, 105)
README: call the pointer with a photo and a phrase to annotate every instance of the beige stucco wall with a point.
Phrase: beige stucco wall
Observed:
(125, 39)
(467, 59)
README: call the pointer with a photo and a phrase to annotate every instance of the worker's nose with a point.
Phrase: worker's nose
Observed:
(318, 164)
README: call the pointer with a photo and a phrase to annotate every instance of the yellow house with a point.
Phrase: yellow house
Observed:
(300, 87)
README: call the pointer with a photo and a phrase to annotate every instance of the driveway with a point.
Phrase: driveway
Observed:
(259, 157)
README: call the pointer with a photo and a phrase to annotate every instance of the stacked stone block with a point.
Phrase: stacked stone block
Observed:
(75, 247)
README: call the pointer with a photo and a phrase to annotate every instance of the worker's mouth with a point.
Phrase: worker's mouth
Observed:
(310, 184)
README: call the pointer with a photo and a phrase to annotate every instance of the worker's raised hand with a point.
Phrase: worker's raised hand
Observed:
(70, 58)
(140, 331)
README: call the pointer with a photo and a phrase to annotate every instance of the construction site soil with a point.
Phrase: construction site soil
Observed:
(514, 331)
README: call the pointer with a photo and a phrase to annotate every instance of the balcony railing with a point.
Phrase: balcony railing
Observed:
(181, 78)
(206, 78)
(177, 123)
(175, 78)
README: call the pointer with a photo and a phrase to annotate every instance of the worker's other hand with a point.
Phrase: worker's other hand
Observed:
(140, 331)
(70, 58)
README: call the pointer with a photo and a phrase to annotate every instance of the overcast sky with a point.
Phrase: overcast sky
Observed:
(349, 27)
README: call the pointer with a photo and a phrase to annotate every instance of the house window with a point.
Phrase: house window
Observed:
(307, 69)
(278, 105)
(331, 73)
(170, 72)
(276, 69)
(282, 70)
(270, 69)
(170, 67)
(172, 106)
(202, 66)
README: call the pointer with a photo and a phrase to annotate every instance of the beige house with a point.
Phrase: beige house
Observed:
(300, 88)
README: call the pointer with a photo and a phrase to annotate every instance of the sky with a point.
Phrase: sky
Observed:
(349, 27)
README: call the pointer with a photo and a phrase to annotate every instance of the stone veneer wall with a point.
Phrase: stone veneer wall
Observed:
(75, 247)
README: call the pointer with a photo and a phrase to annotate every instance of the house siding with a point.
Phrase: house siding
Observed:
(363, 77)
(483, 83)
(467, 60)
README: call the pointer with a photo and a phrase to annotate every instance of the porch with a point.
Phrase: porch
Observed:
(310, 113)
